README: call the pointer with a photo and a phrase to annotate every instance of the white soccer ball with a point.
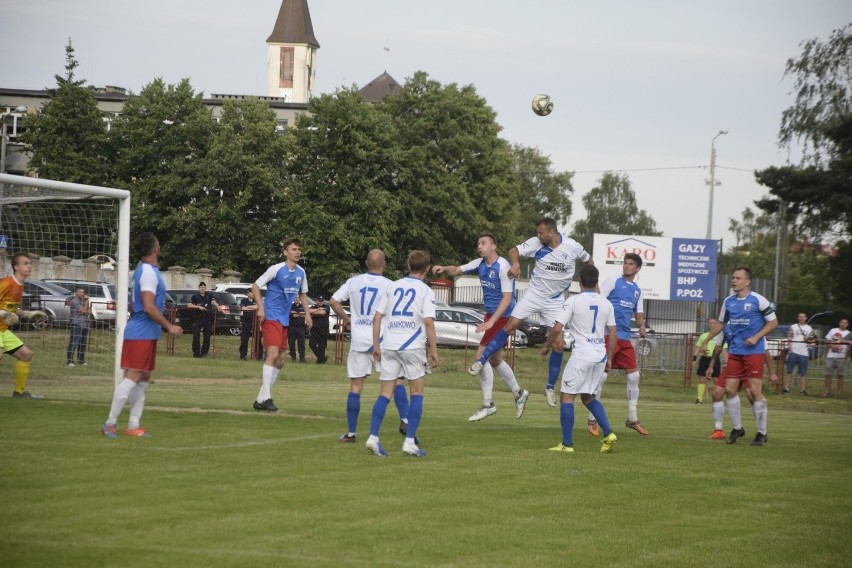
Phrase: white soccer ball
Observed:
(542, 105)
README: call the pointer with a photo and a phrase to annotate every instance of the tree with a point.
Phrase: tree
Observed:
(159, 144)
(455, 179)
(67, 139)
(611, 208)
(543, 192)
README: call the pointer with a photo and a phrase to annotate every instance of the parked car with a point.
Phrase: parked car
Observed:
(102, 298)
(776, 340)
(227, 321)
(456, 327)
(237, 288)
(50, 298)
(643, 345)
(535, 332)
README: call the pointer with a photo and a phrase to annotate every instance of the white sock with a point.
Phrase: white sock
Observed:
(718, 414)
(760, 412)
(734, 412)
(508, 375)
(632, 395)
(486, 380)
(119, 399)
(598, 392)
(137, 404)
(270, 374)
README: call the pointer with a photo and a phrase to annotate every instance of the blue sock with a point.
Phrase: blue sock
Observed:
(496, 344)
(566, 418)
(554, 365)
(597, 410)
(353, 409)
(379, 409)
(415, 412)
(400, 398)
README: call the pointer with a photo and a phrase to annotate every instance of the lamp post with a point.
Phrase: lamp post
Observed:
(3, 139)
(712, 183)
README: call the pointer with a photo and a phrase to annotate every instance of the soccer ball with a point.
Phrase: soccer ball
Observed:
(542, 105)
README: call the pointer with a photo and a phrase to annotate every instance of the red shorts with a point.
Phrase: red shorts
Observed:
(274, 334)
(743, 367)
(489, 335)
(624, 356)
(139, 354)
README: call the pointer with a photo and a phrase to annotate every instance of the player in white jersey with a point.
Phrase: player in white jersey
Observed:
(590, 318)
(556, 257)
(362, 292)
(499, 301)
(408, 307)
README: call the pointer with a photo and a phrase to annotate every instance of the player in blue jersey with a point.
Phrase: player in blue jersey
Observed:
(746, 317)
(590, 318)
(408, 311)
(362, 292)
(284, 282)
(139, 347)
(556, 257)
(498, 296)
(626, 298)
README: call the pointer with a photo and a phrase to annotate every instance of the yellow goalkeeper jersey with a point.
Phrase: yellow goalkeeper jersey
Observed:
(11, 292)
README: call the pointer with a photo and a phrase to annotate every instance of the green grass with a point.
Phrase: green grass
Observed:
(221, 485)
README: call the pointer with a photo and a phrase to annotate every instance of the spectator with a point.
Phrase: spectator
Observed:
(835, 361)
(709, 362)
(799, 335)
(204, 303)
(248, 312)
(79, 341)
(296, 332)
(319, 331)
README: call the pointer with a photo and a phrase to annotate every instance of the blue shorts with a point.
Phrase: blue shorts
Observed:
(800, 361)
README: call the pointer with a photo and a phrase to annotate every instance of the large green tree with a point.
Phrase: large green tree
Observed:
(611, 207)
(541, 191)
(67, 138)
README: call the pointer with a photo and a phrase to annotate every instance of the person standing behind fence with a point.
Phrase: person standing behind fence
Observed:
(799, 335)
(284, 282)
(79, 340)
(139, 348)
(296, 332)
(318, 341)
(203, 302)
(709, 361)
(835, 361)
(248, 311)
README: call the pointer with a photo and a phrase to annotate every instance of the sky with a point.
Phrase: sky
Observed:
(640, 87)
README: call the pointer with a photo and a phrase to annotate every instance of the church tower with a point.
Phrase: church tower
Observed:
(291, 53)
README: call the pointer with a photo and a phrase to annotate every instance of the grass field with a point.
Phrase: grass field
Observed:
(221, 485)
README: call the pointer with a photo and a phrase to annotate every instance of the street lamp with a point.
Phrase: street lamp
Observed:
(3, 139)
(712, 182)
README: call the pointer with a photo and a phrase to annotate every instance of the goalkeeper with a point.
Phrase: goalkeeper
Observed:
(11, 293)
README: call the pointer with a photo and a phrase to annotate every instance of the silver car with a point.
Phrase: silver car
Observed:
(50, 298)
(456, 327)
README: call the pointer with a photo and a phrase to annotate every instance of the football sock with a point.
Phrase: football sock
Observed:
(119, 399)
(734, 412)
(597, 394)
(269, 375)
(597, 410)
(496, 344)
(553, 366)
(632, 395)
(380, 407)
(508, 375)
(566, 419)
(415, 412)
(718, 414)
(486, 380)
(353, 409)
(22, 372)
(760, 412)
(702, 388)
(137, 403)
(400, 399)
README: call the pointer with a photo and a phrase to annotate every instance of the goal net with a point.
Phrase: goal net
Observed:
(77, 235)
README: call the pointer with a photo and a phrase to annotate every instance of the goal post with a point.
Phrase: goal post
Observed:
(25, 231)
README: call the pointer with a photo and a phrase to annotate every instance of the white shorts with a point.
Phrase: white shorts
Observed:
(360, 364)
(410, 363)
(581, 377)
(548, 308)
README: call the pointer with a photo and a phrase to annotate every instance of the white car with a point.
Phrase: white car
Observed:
(456, 327)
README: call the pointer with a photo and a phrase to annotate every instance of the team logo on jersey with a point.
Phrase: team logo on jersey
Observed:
(747, 307)
(491, 274)
(636, 294)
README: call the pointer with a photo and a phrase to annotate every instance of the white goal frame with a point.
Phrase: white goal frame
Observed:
(123, 260)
